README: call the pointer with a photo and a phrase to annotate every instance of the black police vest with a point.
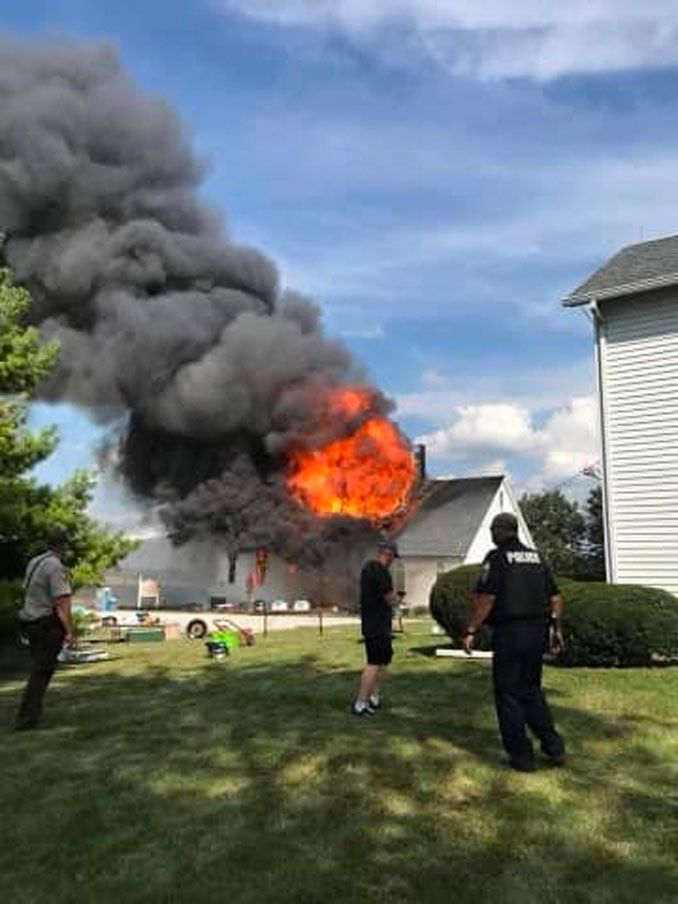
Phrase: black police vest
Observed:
(523, 591)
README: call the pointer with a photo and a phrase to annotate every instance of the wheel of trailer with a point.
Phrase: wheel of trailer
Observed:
(196, 629)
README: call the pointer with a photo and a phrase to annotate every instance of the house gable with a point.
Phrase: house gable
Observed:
(504, 501)
(447, 519)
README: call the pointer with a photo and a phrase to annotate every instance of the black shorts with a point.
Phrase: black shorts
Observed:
(379, 650)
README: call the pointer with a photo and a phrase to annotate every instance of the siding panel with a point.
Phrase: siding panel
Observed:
(639, 363)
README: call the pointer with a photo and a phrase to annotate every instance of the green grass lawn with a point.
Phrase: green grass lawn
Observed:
(163, 777)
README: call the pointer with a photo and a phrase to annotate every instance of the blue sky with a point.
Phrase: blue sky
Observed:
(438, 174)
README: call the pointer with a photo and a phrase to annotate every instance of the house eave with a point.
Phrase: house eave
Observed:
(622, 291)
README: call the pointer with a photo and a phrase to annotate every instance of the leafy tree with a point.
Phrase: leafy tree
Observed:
(28, 508)
(558, 528)
(570, 540)
(595, 533)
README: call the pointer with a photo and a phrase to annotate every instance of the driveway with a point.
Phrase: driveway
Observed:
(275, 622)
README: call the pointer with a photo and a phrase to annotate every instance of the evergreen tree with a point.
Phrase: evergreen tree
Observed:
(28, 508)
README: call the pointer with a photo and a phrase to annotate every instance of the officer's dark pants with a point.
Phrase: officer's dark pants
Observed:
(45, 638)
(516, 670)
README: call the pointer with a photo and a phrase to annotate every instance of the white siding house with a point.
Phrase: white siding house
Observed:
(634, 303)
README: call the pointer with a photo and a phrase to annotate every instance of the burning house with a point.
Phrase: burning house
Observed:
(445, 524)
(231, 412)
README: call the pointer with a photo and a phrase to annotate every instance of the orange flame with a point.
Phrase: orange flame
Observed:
(367, 474)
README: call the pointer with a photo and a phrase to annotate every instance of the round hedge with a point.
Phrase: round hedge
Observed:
(603, 624)
(618, 624)
(449, 603)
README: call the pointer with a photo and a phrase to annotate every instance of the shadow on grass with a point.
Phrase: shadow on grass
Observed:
(14, 659)
(254, 784)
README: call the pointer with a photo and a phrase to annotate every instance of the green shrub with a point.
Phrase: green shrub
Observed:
(10, 601)
(449, 603)
(83, 622)
(603, 624)
(618, 624)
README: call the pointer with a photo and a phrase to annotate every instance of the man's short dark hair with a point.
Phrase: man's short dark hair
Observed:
(56, 537)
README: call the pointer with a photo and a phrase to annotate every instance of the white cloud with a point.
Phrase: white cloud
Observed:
(484, 427)
(565, 443)
(433, 379)
(529, 387)
(492, 468)
(496, 39)
(570, 439)
(580, 209)
(366, 332)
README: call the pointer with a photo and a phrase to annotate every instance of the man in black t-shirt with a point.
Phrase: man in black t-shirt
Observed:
(517, 596)
(376, 612)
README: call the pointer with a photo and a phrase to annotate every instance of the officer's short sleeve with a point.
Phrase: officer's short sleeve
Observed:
(551, 586)
(490, 574)
(57, 579)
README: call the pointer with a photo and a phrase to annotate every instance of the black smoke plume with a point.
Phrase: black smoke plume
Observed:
(166, 326)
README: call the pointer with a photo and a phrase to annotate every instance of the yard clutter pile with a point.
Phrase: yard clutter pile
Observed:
(142, 628)
(221, 641)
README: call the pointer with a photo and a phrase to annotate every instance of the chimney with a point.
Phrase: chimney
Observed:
(420, 462)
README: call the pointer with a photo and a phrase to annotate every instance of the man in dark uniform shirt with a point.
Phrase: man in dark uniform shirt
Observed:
(517, 596)
(376, 612)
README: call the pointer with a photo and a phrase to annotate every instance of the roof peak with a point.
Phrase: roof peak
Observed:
(645, 242)
(447, 515)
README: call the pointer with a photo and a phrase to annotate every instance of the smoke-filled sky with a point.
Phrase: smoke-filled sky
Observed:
(179, 339)
(435, 179)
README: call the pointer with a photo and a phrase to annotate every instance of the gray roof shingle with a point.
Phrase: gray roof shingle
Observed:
(448, 517)
(636, 268)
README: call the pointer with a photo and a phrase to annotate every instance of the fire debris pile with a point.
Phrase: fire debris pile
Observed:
(230, 404)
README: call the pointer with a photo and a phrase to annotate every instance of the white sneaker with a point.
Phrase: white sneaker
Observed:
(363, 710)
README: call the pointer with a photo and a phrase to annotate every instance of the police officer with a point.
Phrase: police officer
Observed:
(517, 596)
